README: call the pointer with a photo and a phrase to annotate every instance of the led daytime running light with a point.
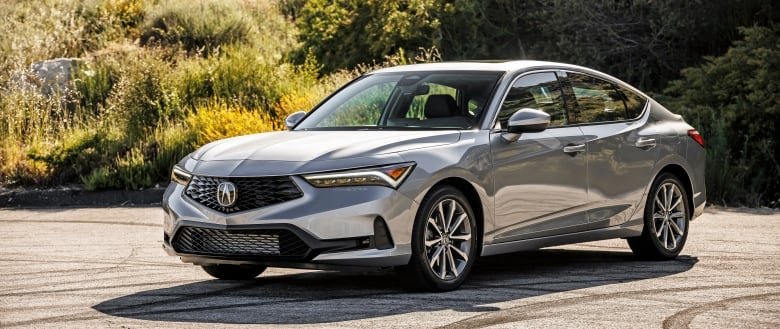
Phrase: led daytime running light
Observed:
(390, 176)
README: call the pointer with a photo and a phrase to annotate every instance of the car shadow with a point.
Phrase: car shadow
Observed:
(326, 296)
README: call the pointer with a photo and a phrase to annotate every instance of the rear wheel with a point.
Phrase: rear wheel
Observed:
(666, 221)
(233, 272)
(444, 240)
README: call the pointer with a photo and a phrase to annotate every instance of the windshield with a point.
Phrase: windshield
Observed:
(406, 100)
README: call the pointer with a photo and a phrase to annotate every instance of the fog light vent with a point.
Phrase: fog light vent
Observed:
(382, 239)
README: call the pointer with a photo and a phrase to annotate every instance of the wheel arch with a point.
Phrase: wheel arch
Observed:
(468, 190)
(681, 174)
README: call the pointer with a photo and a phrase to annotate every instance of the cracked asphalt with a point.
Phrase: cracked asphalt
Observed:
(104, 267)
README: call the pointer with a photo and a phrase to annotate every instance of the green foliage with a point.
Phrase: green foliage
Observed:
(109, 20)
(243, 76)
(139, 110)
(93, 84)
(77, 154)
(200, 26)
(344, 33)
(734, 100)
(160, 77)
(143, 94)
(643, 42)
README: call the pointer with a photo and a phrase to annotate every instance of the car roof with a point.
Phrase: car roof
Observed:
(502, 66)
(492, 65)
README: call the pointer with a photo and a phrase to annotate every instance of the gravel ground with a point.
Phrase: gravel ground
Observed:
(104, 267)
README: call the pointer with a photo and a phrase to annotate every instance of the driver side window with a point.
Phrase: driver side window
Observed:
(539, 91)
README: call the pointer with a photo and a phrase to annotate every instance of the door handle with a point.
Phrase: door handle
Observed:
(645, 143)
(573, 149)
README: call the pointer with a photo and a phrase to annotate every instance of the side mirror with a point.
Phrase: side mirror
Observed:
(525, 121)
(293, 119)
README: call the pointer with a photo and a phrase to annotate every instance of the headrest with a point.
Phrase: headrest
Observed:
(440, 106)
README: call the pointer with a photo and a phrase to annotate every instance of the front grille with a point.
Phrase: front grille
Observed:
(239, 243)
(252, 192)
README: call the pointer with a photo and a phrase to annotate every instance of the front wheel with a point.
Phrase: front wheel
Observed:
(444, 240)
(666, 221)
(233, 272)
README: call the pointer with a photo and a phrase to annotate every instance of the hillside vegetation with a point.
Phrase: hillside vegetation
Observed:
(155, 79)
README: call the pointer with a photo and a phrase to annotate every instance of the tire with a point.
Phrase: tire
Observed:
(665, 230)
(451, 249)
(233, 272)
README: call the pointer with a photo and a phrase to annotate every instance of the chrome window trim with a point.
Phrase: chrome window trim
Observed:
(614, 81)
(520, 75)
(494, 122)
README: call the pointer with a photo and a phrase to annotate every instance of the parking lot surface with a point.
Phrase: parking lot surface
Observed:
(104, 267)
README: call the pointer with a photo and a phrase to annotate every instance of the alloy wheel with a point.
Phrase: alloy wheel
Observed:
(669, 216)
(448, 239)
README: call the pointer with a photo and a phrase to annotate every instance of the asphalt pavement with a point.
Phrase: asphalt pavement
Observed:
(104, 267)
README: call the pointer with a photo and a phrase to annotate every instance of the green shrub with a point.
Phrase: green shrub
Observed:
(344, 33)
(143, 93)
(100, 177)
(734, 100)
(241, 76)
(77, 153)
(109, 20)
(29, 121)
(93, 83)
(200, 26)
(171, 142)
(132, 170)
(130, 124)
(147, 162)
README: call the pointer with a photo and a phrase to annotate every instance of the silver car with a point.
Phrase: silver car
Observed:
(428, 167)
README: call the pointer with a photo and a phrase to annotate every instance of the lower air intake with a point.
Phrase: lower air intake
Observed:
(240, 243)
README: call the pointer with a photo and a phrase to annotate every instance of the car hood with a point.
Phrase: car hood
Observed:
(306, 146)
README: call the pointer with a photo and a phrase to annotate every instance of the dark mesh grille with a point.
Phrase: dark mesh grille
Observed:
(252, 192)
(272, 242)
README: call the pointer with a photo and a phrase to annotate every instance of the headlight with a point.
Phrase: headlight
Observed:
(390, 176)
(180, 176)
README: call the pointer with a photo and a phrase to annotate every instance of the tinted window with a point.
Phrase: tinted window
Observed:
(595, 100)
(363, 109)
(417, 107)
(539, 91)
(406, 100)
(634, 102)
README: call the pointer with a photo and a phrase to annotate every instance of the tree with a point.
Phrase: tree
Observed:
(344, 33)
(645, 42)
(734, 100)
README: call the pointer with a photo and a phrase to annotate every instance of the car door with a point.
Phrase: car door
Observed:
(620, 152)
(540, 179)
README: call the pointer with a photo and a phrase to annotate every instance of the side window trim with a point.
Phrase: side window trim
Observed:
(622, 98)
(496, 125)
(620, 88)
(565, 84)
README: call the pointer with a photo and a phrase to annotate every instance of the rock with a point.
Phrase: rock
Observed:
(54, 75)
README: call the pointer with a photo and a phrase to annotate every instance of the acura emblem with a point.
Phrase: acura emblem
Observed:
(226, 194)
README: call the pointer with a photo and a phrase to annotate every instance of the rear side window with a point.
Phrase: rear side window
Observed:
(595, 100)
(634, 102)
(539, 91)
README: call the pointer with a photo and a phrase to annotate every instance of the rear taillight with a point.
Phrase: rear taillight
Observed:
(693, 133)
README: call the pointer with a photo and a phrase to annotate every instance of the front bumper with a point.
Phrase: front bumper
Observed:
(342, 226)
